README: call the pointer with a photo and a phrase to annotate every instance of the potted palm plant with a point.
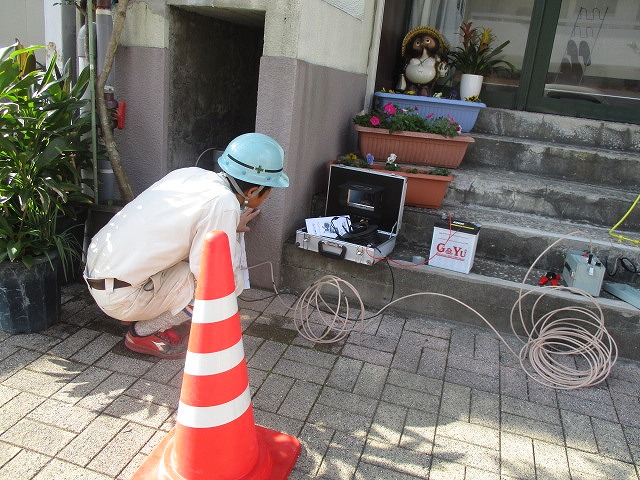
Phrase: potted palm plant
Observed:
(44, 146)
(476, 58)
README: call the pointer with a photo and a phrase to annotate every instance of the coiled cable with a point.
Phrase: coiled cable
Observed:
(566, 348)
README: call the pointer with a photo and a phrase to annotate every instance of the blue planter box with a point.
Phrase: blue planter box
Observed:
(465, 113)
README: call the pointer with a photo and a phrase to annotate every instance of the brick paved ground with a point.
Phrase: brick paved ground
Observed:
(411, 397)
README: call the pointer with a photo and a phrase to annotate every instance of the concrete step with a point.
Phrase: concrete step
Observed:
(531, 194)
(491, 296)
(591, 165)
(558, 129)
(517, 240)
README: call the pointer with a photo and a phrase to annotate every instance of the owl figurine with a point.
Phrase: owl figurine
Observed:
(425, 51)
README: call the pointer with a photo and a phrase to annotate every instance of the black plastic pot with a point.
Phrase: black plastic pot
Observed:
(29, 297)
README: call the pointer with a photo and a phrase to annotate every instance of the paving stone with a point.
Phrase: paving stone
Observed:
(473, 380)
(85, 446)
(301, 371)
(411, 398)
(272, 392)
(469, 432)
(58, 469)
(121, 449)
(371, 380)
(513, 382)
(338, 419)
(75, 389)
(531, 410)
(367, 471)
(16, 408)
(97, 348)
(382, 344)
(344, 374)
(368, 355)
(24, 465)
(588, 465)
(314, 440)
(390, 326)
(466, 453)
(38, 383)
(33, 341)
(7, 393)
(299, 400)
(73, 343)
(256, 378)
(62, 415)
(42, 438)
(516, 456)
(445, 470)
(419, 431)
(611, 440)
(18, 360)
(407, 358)
(126, 365)
(627, 407)
(462, 343)
(578, 431)
(428, 327)
(432, 363)
(342, 457)
(487, 349)
(158, 393)
(278, 423)
(310, 357)
(351, 402)
(7, 452)
(456, 401)
(132, 467)
(139, 411)
(550, 461)
(572, 403)
(251, 345)
(528, 427)
(397, 458)
(485, 409)
(165, 370)
(267, 355)
(106, 391)
(388, 423)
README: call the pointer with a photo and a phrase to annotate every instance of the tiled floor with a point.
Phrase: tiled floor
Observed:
(410, 397)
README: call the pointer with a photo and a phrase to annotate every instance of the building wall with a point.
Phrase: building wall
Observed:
(310, 47)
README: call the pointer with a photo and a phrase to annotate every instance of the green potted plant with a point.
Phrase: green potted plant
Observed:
(415, 139)
(476, 57)
(44, 146)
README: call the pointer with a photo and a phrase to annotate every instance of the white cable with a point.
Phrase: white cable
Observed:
(565, 353)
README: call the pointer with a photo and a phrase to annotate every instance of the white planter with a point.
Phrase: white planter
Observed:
(470, 85)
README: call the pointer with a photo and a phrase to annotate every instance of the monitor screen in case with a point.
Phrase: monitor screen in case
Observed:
(374, 201)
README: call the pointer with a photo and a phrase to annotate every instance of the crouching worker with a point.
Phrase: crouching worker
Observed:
(143, 265)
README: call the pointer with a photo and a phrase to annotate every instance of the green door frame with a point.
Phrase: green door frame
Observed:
(530, 93)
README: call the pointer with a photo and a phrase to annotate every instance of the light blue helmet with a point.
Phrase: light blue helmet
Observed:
(255, 158)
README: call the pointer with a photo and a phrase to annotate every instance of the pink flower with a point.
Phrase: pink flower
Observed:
(375, 121)
(389, 109)
(431, 115)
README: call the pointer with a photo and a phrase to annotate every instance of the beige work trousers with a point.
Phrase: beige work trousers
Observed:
(168, 291)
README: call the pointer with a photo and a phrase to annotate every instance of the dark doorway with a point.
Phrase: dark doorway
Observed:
(213, 80)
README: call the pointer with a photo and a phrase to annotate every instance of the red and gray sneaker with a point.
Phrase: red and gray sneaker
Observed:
(166, 344)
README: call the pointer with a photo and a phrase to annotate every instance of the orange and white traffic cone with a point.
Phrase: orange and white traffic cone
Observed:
(215, 436)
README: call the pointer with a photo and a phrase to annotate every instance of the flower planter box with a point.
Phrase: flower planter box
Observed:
(423, 190)
(465, 113)
(426, 149)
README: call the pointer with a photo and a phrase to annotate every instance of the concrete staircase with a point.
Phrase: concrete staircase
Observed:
(528, 180)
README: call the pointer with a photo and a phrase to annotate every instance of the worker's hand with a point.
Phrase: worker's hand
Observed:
(245, 217)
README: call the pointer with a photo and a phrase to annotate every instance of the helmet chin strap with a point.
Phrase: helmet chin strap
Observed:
(239, 191)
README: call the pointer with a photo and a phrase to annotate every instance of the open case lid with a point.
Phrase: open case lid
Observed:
(372, 194)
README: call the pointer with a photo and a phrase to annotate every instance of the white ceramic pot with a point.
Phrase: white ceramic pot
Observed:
(470, 85)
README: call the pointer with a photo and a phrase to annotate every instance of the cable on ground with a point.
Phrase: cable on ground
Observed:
(566, 348)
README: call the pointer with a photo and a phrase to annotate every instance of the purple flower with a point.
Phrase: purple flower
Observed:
(370, 159)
